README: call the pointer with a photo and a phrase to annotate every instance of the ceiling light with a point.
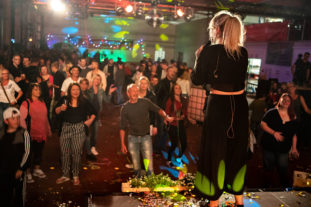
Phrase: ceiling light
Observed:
(119, 10)
(57, 5)
(129, 8)
(154, 18)
(140, 11)
(189, 14)
(180, 12)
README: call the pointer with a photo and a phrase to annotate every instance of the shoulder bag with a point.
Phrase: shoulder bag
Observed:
(6, 95)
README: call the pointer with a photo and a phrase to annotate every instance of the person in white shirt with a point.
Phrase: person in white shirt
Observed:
(7, 93)
(74, 78)
(185, 84)
(92, 74)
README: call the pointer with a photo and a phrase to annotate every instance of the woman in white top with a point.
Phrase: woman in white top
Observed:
(96, 71)
(185, 84)
(7, 93)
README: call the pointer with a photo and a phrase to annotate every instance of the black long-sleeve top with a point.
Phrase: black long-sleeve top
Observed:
(58, 81)
(136, 116)
(153, 116)
(231, 72)
(76, 114)
(164, 92)
(16, 72)
(273, 119)
(14, 150)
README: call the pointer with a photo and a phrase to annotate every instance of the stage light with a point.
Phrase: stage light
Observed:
(119, 10)
(189, 14)
(140, 11)
(180, 12)
(154, 18)
(57, 5)
(129, 9)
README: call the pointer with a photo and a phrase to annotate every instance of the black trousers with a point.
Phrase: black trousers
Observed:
(12, 191)
(178, 139)
(36, 151)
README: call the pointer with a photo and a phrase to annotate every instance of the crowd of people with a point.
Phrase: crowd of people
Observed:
(65, 94)
(60, 91)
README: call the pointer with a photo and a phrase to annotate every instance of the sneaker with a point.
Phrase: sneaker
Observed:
(62, 180)
(129, 166)
(38, 173)
(76, 180)
(29, 178)
(94, 151)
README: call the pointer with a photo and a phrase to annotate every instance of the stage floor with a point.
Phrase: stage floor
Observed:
(109, 172)
(251, 199)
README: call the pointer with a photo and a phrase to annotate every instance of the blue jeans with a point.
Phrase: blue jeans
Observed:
(120, 98)
(278, 160)
(3, 106)
(143, 144)
(90, 140)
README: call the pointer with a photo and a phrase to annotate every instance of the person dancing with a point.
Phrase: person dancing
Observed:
(176, 106)
(77, 115)
(223, 153)
(279, 139)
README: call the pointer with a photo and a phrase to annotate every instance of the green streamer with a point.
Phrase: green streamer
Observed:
(146, 164)
(221, 174)
(238, 181)
(204, 184)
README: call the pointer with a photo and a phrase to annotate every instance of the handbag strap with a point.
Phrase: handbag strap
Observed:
(6, 95)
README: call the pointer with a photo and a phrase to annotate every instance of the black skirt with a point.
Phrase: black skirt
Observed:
(223, 154)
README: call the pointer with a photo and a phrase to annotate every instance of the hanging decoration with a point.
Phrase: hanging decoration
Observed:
(95, 43)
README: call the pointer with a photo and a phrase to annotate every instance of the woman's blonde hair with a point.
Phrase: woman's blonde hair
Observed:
(231, 31)
(143, 78)
(100, 78)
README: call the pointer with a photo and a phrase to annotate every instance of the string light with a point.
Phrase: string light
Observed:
(104, 43)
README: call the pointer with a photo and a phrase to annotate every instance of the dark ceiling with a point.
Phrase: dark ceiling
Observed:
(273, 8)
(288, 9)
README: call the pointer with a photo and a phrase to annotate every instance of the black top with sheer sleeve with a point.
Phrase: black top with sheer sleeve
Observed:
(76, 114)
(231, 72)
(288, 129)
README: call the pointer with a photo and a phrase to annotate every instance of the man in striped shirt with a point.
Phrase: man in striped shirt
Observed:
(14, 156)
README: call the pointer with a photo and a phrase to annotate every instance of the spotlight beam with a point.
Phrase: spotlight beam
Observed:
(57, 5)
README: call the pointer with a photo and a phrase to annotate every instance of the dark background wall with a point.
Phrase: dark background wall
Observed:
(189, 37)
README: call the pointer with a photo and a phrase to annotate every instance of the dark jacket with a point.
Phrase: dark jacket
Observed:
(14, 150)
(163, 92)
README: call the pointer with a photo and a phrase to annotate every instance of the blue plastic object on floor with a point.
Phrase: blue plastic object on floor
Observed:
(173, 172)
(250, 203)
(185, 159)
(165, 155)
(192, 157)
